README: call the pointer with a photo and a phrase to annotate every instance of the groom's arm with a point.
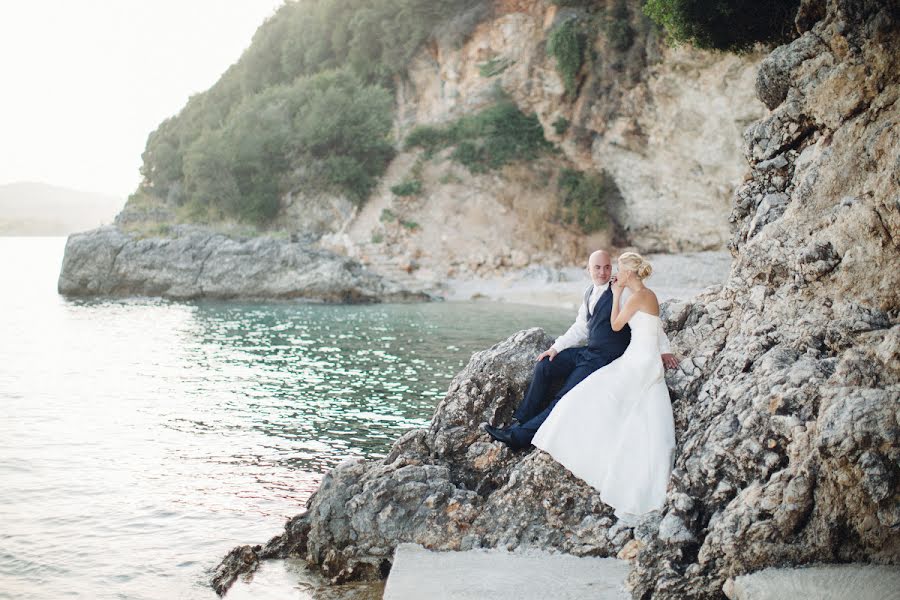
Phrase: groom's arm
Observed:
(576, 335)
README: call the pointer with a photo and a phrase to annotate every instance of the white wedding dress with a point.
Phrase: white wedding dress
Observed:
(615, 429)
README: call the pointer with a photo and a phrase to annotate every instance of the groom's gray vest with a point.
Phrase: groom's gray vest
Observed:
(601, 337)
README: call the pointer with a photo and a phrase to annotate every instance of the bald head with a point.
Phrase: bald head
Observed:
(600, 267)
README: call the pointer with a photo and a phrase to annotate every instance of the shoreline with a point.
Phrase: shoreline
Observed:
(563, 287)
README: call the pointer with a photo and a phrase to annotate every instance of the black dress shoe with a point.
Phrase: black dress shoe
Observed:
(501, 435)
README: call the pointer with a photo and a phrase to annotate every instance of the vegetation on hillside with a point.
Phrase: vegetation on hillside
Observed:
(501, 134)
(734, 25)
(486, 140)
(619, 32)
(308, 105)
(585, 198)
(566, 43)
(575, 42)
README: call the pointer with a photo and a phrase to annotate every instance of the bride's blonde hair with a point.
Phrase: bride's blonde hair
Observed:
(637, 263)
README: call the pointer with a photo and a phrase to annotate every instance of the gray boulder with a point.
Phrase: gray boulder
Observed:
(449, 487)
(193, 262)
(787, 403)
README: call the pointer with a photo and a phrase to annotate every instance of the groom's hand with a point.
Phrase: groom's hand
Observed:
(551, 353)
(669, 361)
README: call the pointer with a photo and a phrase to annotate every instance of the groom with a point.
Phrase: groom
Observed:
(570, 362)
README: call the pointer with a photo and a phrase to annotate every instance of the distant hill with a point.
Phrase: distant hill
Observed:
(28, 208)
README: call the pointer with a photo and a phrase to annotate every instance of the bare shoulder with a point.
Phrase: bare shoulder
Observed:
(648, 302)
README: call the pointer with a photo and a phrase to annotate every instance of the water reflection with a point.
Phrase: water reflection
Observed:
(325, 382)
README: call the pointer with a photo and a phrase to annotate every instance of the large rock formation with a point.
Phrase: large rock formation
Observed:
(787, 400)
(791, 396)
(449, 487)
(664, 122)
(192, 262)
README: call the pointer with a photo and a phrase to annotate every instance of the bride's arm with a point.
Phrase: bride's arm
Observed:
(619, 317)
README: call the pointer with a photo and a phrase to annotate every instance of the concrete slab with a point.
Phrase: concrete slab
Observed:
(823, 582)
(499, 575)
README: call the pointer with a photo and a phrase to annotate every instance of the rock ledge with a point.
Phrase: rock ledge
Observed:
(194, 262)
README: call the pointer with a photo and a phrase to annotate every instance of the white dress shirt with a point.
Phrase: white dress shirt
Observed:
(577, 334)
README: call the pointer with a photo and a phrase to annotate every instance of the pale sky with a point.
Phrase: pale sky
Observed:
(83, 82)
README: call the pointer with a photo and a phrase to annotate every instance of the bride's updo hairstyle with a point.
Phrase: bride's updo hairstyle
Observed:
(635, 262)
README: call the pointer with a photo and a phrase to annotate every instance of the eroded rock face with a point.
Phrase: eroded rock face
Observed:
(789, 403)
(664, 122)
(449, 487)
(196, 263)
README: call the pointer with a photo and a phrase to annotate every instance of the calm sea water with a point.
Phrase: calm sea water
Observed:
(142, 439)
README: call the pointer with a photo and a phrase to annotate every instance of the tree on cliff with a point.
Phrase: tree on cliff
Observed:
(733, 25)
(308, 105)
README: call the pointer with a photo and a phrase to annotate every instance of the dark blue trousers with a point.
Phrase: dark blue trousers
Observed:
(570, 366)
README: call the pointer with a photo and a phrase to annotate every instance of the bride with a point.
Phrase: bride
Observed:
(615, 429)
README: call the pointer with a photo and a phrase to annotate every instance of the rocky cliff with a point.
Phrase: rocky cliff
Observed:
(790, 434)
(660, 124)
(664, 122)
(787, 399)
(192, 262)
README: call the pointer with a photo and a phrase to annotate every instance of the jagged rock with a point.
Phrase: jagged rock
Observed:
(628, 117)
(243, 560)
(773, 77)
(448, 487)
(292, 541)
(789, 439)
(193, 262)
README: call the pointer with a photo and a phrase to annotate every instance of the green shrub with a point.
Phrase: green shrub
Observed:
(561, 125)
(584, 198)
(618, 27)
(494, 67)
(345, 125)
(387, 215)
(331, 127)
(448, 178)
(469, 153)
(411, 225)
(411, 187)
(502, 134)
(487, 140)
(430, 138)
(208, 179)
(734, 25)
(566, 43)
(377, 238)
(193, 212)
(312, 95)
